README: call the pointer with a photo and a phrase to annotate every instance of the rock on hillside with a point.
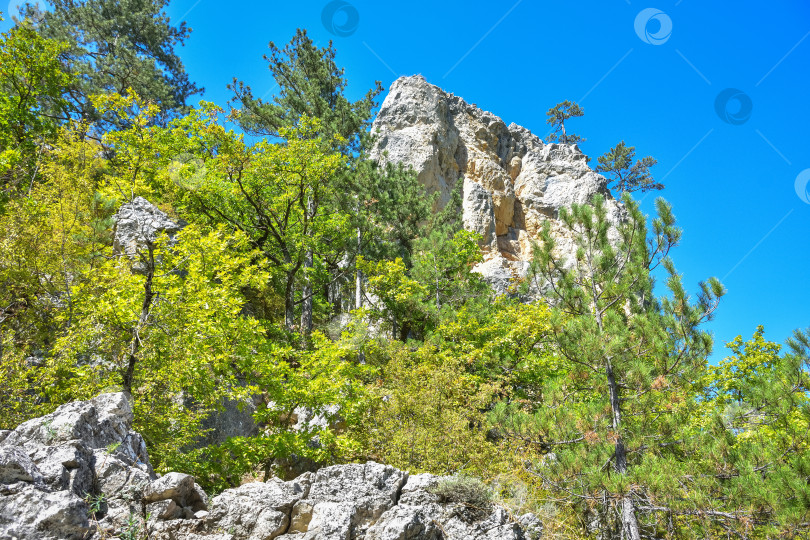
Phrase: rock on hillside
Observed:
(512, 181)
(82, 473)
(138, 224)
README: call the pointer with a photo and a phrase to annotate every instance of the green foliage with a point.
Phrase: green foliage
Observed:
(505, 341)
(133, 528)
(387, 206)
(95, 503)
(18, 378)
(444, 266)
(427, 413)
(753, 434)
(192, 342)
(411, 303)
(325, 380)
(432, 396)
(399, 297)
(310, 84)
(557, 116)
(31, 85)
(624, 175)
(112, 47)
(280, 195)
(53, 237)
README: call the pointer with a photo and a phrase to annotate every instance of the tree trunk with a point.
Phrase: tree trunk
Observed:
(358, 289)
(146, 306)
(289, 304)
(629, 522)
(306, 299)
(438, 299)
(358, 275)
(306, 306)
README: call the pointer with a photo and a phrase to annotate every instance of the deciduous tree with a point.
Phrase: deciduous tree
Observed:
(31, 85)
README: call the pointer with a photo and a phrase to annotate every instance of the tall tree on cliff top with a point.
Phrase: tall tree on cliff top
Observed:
(113, 46)
(557, 116)
(623, 173)
(618, 412)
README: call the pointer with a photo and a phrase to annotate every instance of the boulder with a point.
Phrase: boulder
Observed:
(259, 510)
(30, 512)
(51, 467)
(138, 224)
(82, 473)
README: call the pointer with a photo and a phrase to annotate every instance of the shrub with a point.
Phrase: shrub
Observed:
(471, 493)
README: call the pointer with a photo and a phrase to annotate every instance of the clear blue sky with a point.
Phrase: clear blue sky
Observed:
(731, 179)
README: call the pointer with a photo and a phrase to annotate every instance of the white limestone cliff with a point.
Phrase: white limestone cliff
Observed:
(512, 182)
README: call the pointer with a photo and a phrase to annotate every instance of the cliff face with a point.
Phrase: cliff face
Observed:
(512, 181)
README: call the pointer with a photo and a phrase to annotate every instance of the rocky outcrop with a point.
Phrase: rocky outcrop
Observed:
(54, 468)
(82, 473)
(512, 182)
(138, 224)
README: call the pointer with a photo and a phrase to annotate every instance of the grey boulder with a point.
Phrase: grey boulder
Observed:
(82, 473)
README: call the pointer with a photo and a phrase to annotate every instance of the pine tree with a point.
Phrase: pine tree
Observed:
(624, 349)
(557, 116)
(309, 83)
(115, 46)
(388, 209)
(624, 175)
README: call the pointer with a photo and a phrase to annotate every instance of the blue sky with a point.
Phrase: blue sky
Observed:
(730, 175)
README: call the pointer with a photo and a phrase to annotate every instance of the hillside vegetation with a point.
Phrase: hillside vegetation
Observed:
(303, 277)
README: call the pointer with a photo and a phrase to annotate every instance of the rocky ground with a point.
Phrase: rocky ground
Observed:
(82, 473)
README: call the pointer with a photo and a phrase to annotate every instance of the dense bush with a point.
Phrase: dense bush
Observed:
(473, 496)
